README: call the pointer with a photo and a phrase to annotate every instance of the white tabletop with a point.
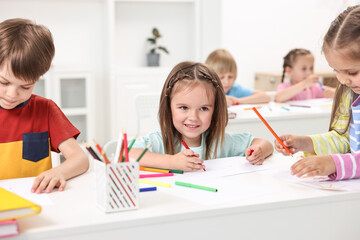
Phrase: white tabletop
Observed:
(283, 118)
(288, 211)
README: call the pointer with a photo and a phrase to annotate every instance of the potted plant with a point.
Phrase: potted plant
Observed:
(153, 56)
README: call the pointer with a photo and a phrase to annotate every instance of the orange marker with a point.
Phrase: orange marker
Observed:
(271, 130)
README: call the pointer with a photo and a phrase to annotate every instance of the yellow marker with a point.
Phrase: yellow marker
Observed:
(160, 184)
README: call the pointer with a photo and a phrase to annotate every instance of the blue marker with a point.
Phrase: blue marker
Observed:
(147, 189)
(321, 86)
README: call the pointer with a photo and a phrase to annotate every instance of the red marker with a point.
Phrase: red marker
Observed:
(251, 151)
(187, 147)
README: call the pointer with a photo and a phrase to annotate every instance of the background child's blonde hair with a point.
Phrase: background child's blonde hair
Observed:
(221, 61)
(186, 75)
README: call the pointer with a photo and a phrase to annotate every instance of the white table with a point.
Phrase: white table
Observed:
(292, 211)
(298, 120)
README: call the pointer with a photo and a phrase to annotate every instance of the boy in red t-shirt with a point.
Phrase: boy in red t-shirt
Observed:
(32, 126)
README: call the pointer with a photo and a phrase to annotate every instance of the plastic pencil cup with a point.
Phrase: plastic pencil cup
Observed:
(117, 186)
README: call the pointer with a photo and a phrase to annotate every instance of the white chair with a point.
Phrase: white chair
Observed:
(147, 107)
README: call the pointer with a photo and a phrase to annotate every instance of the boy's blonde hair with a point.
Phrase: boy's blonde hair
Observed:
(26, 47)
(185, 75)
(221, 61)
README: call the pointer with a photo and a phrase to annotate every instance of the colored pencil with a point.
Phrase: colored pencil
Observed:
(142, 154)
(97, 146)
(272, 131)
(132, 143)
(156, 175)
(91, 151)
(183, 184)
(187, 147)
(126, 152)
(321, 86)
(287, 109)
(118, 148)
(154, 170)
(160, 184)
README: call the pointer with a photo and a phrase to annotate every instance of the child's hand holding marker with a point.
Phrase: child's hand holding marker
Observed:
(186, 161)
(193, 155)
(295, 144)
(254, 155)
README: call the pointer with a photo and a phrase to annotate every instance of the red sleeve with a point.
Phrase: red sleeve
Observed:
(60, 128)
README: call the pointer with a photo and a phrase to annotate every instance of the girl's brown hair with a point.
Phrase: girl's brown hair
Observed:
(185, 75)
(221, 61)
(344, 36)
(290, 58)
(28, 48)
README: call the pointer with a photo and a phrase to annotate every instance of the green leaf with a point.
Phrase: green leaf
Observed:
(152, 50)
(152, 40)
(163, 49)
(156, 33)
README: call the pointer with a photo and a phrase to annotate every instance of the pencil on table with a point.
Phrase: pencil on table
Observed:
(271, 130)
(143, 152)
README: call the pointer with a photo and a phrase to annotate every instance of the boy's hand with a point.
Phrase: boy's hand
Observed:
(314, 166)
(295, 144)
(255, 155)
(187, 161)
(48, 180)
(231, 100)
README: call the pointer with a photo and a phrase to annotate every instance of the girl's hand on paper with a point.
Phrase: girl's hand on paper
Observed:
(295, 144)
(314, 166)
(254, 154)
(48, 180)
(187, 161)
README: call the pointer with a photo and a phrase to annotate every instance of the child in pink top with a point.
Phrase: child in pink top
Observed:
(304, 84)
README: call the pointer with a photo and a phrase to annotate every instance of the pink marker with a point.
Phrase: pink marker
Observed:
(156, 175)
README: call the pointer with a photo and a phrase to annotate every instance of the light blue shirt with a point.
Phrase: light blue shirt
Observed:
(234, 144)
(239, 91)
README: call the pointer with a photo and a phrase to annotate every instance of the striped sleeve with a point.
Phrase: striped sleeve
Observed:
(347, 166)
(332, 142)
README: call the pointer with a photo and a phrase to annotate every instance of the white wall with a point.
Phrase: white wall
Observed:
(78, 31)
(260, 33)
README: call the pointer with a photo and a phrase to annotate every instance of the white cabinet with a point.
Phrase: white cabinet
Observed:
(130, 23)
(128, 83)
(70, 90)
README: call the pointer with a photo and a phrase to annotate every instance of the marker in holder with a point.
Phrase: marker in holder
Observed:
(117, 186)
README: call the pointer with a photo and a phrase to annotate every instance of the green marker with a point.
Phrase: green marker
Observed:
(195, 186)
(287, 109)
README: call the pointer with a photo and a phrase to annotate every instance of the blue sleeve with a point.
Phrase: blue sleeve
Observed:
(240, 91)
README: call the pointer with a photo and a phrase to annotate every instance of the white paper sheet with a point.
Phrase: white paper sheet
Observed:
(22, 187)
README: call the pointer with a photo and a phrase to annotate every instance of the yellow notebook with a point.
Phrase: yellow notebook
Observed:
(13, 206)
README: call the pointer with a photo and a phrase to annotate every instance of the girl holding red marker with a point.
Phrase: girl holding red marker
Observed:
(193, 109)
